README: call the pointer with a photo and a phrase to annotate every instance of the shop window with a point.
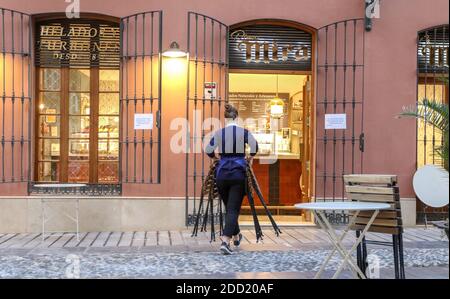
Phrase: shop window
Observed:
(432, 60)
(78, 91)
(432, 85)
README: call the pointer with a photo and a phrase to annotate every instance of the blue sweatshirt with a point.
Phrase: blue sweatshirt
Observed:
(231, 142)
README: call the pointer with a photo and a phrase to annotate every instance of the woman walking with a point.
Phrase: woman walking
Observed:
(231, 142)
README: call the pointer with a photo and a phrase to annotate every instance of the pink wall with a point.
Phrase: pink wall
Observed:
(390, 67)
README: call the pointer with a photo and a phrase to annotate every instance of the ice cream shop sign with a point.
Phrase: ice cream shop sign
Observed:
(269, 50)
(64, 43)
(273, 46)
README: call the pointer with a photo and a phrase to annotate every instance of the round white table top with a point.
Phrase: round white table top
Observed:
(59, 185)
(342, 205)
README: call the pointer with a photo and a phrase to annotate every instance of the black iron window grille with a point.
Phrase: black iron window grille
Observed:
(15, 96)
(140, 93)
(340, 90)
(207, 46)
(141, 69)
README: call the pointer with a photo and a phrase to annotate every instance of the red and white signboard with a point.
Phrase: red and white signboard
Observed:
(210, 90)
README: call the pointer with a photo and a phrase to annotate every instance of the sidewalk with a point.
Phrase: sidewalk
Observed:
(297, 253)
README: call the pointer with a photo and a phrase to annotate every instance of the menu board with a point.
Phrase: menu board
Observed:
(256, 105)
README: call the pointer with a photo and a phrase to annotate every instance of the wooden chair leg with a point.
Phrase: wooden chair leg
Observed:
(402, 262)
(396, 256)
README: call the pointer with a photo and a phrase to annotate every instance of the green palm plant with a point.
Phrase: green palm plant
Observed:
(435, 114)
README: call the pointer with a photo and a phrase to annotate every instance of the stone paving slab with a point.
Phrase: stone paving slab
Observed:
(173, 241)
(291, 238)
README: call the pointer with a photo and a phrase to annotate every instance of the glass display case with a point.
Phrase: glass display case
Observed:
(266, 143)
(283, 140)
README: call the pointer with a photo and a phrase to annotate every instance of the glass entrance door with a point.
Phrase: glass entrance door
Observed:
(78, 125)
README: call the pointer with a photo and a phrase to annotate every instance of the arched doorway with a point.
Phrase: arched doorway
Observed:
(329, 98)
(271, 58)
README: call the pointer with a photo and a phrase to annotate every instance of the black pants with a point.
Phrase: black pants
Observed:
(232, 193)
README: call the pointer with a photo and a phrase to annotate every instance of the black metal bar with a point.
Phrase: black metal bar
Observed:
(401, 256)
(433, 129)
(227, 62)
(344, 103)
(359, 259)
(22, 100)
(212, 78)
(30, 106)
(363, 95)
(396, 256)
(219, 86)
(334, 110)
(354, 96)
(13, 97)
(160, 39)
(195, 111)
(325, 141)
(203, 96)
(364, 255)
(127, 101)
(143, 101)
(213, 235)
(135, 96)
(425, 127)
(4, 95)
(187, 149)
(151, 90)
(121, 102)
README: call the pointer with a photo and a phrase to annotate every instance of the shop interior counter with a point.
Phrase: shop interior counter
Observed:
(281, 156)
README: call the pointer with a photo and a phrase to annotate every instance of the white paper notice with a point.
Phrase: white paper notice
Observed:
(335, 121)
(143, 121)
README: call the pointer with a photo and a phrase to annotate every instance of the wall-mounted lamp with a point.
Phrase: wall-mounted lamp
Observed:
(174, 51)
(371, 11)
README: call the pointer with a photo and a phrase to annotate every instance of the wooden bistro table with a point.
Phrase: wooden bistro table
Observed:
(319, 208)
(55, 193)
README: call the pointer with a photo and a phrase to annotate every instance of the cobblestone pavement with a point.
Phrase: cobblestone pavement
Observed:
(166, 264)
(199, 259)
